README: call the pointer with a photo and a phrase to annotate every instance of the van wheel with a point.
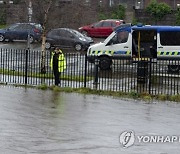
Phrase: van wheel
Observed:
(173, 68)
(105, 63)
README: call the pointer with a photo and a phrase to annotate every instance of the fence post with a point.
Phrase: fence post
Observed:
(142, 72)
(150, 67)
(85, 72)
(26, 66)
(96, 72)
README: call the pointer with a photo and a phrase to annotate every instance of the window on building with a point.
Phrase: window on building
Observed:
(139, 4)
(111, 3)
(87, 2)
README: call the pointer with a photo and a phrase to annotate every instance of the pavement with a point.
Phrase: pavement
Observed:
(47, 122)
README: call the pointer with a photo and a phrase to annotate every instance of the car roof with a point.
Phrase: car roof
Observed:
(68, 29)
(27, 23)
(112, 20)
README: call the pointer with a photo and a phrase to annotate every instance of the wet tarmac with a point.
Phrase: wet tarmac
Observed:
(47, 122)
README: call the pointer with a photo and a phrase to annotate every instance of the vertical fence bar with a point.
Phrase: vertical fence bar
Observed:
(150, 63)
(26, 67)
(85, 71)
(96, 73)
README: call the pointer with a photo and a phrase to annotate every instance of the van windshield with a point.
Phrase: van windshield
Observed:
(109, 37)
(118, 37)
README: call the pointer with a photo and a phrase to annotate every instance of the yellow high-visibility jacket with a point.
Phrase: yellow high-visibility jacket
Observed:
(61, 62)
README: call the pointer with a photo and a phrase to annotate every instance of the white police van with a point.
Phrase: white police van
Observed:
(128, 42)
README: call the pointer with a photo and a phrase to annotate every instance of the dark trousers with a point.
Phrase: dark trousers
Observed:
(56, 76)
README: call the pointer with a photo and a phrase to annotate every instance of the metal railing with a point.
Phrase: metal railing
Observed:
(126, 75)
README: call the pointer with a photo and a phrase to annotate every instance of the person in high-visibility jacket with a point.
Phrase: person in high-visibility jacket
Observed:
(57, 64)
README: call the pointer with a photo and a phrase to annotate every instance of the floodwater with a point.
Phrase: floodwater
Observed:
(47, 122)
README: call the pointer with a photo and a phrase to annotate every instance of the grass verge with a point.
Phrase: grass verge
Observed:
(132, 95)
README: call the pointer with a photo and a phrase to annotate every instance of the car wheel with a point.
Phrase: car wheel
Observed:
(78, 47)
(105, 63)
(1, 38)
(47, 45)
(31, 39)
(84, 33)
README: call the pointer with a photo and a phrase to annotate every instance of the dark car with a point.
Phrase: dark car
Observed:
(102, 28)
(20, 31)
(67, 38)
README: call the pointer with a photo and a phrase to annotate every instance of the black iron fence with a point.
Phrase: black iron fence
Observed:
(151, 76)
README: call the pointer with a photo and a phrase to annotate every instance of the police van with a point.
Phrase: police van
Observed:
(138, 42)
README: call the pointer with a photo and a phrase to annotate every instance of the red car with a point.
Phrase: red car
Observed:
(102, 28)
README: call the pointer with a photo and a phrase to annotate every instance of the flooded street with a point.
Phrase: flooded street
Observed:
(47, 122)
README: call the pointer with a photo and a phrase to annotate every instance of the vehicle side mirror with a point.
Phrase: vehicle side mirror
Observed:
(92, 26)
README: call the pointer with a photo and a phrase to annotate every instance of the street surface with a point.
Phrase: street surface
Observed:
(47, 122)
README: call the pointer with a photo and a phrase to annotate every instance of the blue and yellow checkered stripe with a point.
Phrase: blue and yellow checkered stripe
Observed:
(168, 53)
(111, 52)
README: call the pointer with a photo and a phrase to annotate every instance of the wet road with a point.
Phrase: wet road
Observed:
(35, 121)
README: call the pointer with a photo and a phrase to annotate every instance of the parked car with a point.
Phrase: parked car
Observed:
(20, 31)
(102, 28)
(67, 38)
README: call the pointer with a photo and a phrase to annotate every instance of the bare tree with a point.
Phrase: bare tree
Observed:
(46, 9)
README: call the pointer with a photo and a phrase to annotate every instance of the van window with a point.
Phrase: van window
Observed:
(170, 38)
(120, 37)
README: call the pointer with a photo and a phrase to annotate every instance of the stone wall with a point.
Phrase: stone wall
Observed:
(144, 17)
(16, 13)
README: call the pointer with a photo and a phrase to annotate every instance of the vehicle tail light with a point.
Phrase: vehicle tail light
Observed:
(36, 30)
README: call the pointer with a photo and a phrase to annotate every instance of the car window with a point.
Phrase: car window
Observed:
(68, 34)
(53, 33)
(98, 24)
(24, 27)
(19, 27)
(27, 26)
(77, 33)
(62, 32)
(38, 26)
(13, 27)
(106, 24)
(113, 24)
